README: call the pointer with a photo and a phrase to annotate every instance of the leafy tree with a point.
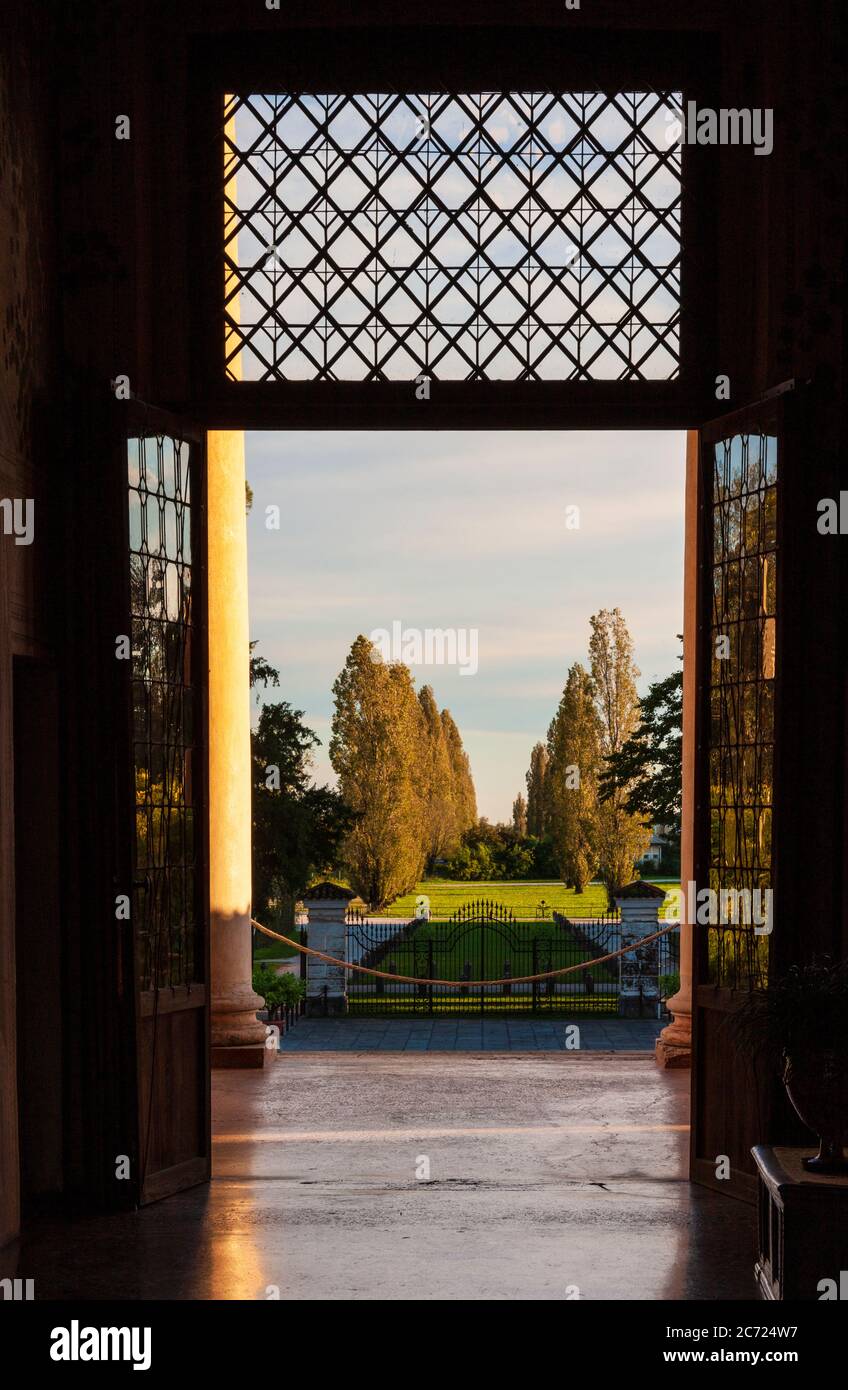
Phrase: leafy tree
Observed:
(574, 754)
(515, 860)
(261, 671)
(648, 765)
(519, 815)
(298, 828)
(621, 835)
(495, 852)
(378, 734)
(441, 834)
(462, 783)
(536, 794)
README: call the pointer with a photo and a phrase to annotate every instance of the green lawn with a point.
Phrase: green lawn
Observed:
(453, 947)
(446, 896)
(265, 948)
(456, 1006)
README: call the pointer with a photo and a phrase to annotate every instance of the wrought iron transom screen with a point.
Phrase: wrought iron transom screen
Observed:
(166, 898)
(489, 236)
(742, 684)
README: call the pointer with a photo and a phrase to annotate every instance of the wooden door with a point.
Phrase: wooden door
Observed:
(166, 702)
(741, 669)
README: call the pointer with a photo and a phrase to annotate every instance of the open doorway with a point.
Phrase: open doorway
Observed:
(520, 538)
(527, 590)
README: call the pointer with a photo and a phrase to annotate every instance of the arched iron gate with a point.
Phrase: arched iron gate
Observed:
(482, 941)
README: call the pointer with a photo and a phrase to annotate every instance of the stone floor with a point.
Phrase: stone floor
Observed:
(416, 1177)
(467, 1035)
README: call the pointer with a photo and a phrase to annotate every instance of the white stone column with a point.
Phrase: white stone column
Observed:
(674, 1045)
(326, 985)
(237, 1035)
(639, 904)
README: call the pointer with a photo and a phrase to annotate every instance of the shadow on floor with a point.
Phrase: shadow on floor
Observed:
(488, 1176)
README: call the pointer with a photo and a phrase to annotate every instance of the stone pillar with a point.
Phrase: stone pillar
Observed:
(674, 1044)
(237, 1035)
(326, 985)
(639, 904)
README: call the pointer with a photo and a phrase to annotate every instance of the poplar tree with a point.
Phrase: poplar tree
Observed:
(462, 783)
(621, 835)
(571, 781)
(440, 829)
(519, 815)
(377, 738)
(536, 796)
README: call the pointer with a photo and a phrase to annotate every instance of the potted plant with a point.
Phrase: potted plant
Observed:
(799, 1024)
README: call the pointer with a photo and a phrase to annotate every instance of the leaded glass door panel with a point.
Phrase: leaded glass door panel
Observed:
(737, 803)
(169, 914)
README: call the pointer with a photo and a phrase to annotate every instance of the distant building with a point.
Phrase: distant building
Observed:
(661, 844)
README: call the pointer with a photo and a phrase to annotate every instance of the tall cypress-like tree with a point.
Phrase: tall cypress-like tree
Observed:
(536, 795)
(649, 763)
(377, 736)
(622, 837)
(464, 795)
(571, 781)
(519, 815)
(441, 835)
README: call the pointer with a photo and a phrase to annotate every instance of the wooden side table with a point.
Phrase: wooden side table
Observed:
(802, 1226)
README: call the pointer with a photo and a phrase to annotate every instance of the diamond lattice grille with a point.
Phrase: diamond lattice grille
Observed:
(498, 236)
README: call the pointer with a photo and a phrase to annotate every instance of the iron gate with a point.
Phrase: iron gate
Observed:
(483, 941)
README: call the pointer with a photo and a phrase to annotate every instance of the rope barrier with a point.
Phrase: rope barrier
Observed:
(466, 984)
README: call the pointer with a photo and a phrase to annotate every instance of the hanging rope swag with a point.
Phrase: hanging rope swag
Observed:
(466, 984)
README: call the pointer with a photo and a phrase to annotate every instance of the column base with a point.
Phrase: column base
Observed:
(674, 1044)
(234, 1021)
(672, 1056)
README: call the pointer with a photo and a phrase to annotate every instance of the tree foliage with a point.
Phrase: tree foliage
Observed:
(574, 739)
(298, 828)
(496, 852)
(462, 783)
(376, 747)
(402, 767)
(536, 794)
(441, 821)
(648, 765)
(261, 671)
(609, 761)
(621, 835)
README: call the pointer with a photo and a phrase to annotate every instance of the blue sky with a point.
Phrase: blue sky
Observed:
(465, 530)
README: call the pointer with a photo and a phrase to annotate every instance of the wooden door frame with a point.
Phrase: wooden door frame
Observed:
(781, 410)
(454, 58)
(155, 1003)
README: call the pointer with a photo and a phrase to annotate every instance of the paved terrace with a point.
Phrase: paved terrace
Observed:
(550, 1175)
(467, 1034)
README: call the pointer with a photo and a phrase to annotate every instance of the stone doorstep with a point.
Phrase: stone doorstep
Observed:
(242, 1058)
